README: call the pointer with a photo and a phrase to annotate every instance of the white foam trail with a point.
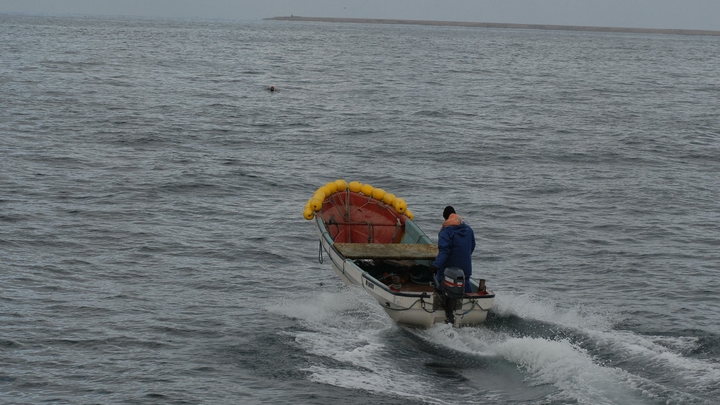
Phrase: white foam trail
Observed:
(660, 353)
(367, 381)
(570, 369)
(560, 363)
(652, 351)
(317, 309)
(356, 342)
(368, 364)
(348, 327)
(531, 307)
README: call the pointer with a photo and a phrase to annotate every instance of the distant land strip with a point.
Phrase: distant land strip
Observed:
(500, 25)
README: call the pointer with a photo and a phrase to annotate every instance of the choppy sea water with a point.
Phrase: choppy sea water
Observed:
(153, 250)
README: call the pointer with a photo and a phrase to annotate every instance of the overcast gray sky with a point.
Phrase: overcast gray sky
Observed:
(687, 14)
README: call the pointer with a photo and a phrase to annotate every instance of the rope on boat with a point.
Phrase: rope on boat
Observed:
(474, 304)
(410, 307)
(423, 306)
(398, 226)
(320, 255)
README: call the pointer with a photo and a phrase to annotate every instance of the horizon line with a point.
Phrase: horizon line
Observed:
(550, 27)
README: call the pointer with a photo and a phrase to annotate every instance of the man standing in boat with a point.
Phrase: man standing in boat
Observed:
(456, 242)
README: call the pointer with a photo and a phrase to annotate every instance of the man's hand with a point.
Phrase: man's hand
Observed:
(433, 269)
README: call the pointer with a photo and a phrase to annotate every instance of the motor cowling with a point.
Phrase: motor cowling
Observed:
(453, 283)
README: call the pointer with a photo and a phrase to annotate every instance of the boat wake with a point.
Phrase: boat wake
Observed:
(603, 358)
(549, 354)
(352, 339)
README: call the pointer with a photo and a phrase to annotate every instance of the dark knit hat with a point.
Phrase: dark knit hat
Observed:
(448, 210)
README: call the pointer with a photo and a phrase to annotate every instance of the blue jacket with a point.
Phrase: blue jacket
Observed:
(455, 246)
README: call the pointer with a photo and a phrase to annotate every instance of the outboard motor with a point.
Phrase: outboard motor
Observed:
(450, 290)
(453, 283)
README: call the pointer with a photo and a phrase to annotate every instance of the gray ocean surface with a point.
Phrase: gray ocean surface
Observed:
(153, 249)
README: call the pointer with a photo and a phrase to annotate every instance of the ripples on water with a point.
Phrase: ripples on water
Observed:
(151, 189)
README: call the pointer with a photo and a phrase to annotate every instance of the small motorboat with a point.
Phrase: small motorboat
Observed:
(373, 243)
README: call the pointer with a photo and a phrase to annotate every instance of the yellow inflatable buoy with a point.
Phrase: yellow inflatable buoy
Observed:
(341, 185)
(367, 190)
(308, 213)
(332, 187)
(316, 204)
(320, 195)
(355, 186)
(325, 190)
(389, 198)
(409, 214)
(378, 194)
(400, 205)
